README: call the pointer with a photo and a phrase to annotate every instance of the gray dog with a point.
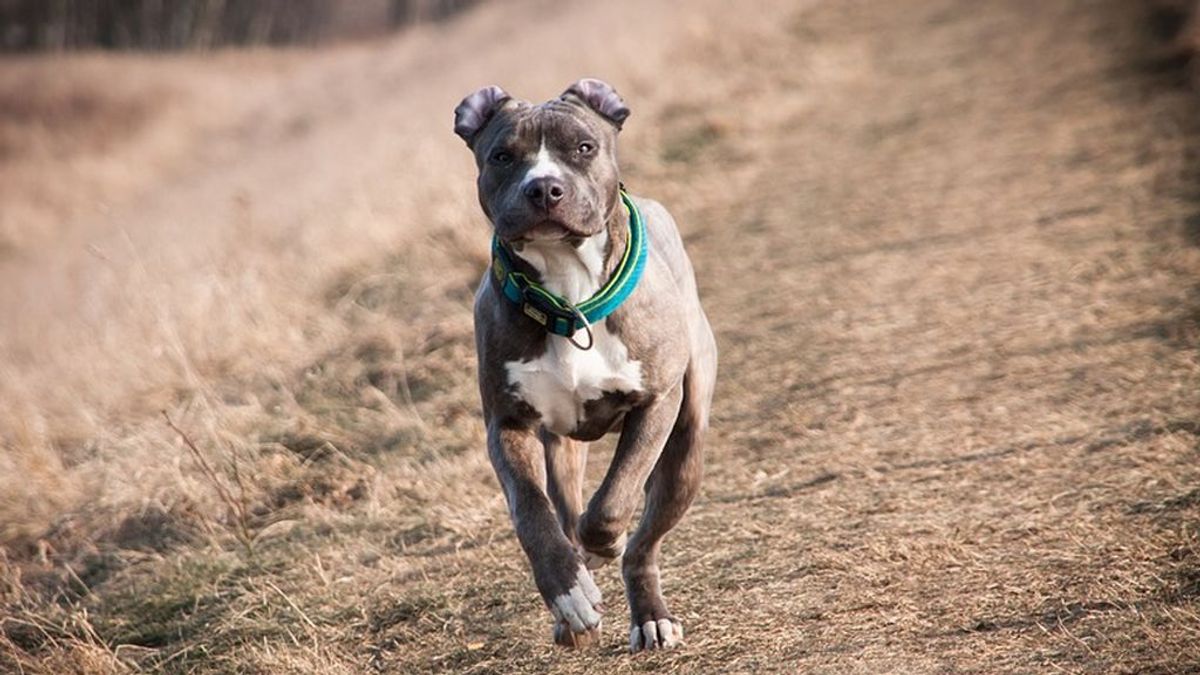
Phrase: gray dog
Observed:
(588, 322)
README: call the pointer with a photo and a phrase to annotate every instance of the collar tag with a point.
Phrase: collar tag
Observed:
(535, 314)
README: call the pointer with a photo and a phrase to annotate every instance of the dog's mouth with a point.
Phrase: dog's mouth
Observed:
(546, 230)
(542, 230)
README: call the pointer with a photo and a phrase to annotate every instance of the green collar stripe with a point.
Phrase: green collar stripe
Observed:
(555, 313)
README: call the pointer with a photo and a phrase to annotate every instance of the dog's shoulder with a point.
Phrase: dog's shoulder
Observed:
(666, 243)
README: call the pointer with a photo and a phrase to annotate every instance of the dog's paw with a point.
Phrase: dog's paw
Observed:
(578, 612)
(597, 559)
(565, 637)
(660, 634)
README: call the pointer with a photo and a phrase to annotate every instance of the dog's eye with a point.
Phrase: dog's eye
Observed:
(502, 157)
(586, 148)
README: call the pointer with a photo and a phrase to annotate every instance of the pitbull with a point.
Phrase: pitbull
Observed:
(553, 377)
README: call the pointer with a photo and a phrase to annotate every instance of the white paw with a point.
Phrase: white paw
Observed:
(595, 561)
(661, 634)
(580, 606)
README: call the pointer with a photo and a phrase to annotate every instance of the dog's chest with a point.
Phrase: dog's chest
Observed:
(562, 382)
(574, 391)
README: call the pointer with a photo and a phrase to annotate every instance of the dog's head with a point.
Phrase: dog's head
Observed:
(546, 171)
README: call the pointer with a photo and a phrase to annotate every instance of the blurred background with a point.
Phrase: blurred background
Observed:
(950, 248)
(202, 24)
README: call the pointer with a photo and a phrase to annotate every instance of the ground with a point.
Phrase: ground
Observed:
(950, 250)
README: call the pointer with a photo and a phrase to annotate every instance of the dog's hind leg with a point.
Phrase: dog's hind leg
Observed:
(565, 462)
(669, 492)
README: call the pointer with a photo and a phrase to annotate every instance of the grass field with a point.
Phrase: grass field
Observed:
(951, 250)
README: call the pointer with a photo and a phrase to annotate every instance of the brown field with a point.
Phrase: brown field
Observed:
(951, 249)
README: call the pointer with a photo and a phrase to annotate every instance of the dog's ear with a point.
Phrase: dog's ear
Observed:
(476, 109)
(601, 97)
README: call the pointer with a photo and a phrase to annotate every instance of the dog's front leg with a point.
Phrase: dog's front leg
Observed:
(602, 527)
(564, 582)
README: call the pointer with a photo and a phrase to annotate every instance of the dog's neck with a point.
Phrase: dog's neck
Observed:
(576, 269)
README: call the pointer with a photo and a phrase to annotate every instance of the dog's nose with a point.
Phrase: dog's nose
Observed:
(546, 192)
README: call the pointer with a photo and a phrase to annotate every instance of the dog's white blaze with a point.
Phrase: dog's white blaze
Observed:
(543, 166)
(560, 382)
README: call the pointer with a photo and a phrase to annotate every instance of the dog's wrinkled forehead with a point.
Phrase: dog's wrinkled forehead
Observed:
(555, 123)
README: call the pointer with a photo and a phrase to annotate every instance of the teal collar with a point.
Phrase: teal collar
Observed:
(555, 313)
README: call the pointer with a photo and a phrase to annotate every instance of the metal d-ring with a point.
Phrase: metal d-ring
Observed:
(587, 327)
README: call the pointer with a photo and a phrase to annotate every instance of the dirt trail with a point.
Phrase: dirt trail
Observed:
(959, 343)
(944, 247)
(950, 249)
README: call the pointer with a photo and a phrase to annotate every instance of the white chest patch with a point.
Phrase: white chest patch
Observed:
(562, 380)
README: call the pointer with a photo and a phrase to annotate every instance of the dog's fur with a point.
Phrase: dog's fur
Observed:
(548, 182)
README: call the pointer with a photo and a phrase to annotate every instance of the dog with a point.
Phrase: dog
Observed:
(587, 323)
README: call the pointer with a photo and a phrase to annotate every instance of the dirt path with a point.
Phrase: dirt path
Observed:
(952, 279)
(950, 249)
(959, 404)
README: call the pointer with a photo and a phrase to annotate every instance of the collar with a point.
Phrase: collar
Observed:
(555, 313)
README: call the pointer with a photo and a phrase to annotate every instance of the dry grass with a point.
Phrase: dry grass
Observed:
(84, 134)
(957, 426)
